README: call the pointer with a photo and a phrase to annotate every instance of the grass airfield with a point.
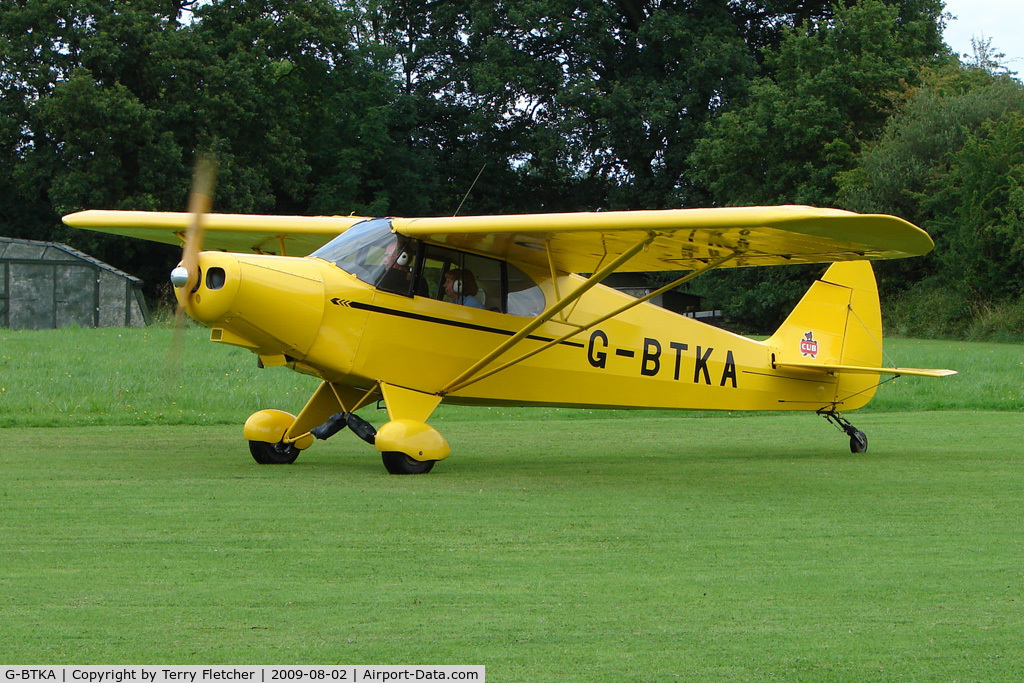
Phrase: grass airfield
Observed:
(552, 545)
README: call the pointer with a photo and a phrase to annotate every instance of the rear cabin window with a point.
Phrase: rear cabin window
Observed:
(483, 282)
(524, 296)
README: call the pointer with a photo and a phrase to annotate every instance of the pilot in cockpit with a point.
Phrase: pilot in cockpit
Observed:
(396, 263)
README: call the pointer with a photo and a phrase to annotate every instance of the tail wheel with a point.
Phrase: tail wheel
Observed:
(273, 453)
(858, 442)
(396, 462)
(858, 439)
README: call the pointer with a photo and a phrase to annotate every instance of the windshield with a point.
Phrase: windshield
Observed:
(362, 249)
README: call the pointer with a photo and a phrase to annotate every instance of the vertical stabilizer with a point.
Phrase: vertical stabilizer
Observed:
(837, 322)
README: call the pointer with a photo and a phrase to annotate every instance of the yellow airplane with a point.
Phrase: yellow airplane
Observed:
(493, 310)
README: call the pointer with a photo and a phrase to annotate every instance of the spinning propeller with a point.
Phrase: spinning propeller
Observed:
(185, 277)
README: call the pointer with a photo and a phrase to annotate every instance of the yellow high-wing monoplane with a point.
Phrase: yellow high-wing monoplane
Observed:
(493, 310)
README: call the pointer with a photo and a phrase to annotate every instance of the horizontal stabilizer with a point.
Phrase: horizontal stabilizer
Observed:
(863, 370)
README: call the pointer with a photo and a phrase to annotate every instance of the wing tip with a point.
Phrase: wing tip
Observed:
(77, 219)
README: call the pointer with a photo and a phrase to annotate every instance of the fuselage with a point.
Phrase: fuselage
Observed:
(315, 317)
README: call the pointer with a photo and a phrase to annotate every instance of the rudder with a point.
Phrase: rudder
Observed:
(837, 322)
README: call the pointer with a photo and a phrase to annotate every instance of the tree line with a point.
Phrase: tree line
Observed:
(393, 107)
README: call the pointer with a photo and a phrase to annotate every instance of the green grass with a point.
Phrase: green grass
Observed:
(74, 377)
(120, 376)
(552, 545)
(991, 376)
(572, 550)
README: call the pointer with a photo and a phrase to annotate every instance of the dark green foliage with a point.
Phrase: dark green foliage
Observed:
(934, 311)
(952, 161)
(755, 300)
(1001, 321)
(385, 107)
(115, 100)
(828, 88)
(984, 233)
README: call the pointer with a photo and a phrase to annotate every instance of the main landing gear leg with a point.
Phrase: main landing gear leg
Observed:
(335, 423)
(395, 462)
(406, 443)
(858, 439)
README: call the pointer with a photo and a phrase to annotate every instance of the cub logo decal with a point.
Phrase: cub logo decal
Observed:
(808, 346)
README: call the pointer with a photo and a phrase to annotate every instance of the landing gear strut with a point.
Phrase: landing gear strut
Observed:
(335, 423)
(858, 439)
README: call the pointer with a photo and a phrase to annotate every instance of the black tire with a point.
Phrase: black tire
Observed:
(858, 442)
(273, 453)
(396, 462)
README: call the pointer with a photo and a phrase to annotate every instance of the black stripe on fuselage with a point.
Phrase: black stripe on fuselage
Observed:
(451, 323)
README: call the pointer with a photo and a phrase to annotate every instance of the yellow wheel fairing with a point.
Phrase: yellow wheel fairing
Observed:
(417, 440)
(270, 426)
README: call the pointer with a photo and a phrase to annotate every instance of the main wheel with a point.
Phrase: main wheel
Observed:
(858, 442)
(396, 462)
(273, 453)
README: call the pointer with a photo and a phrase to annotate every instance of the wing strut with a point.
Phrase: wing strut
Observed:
(466, 378)
(548, 314)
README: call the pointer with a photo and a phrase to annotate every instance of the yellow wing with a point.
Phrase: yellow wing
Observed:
(287, 235)
(685, 239)
(680, 239)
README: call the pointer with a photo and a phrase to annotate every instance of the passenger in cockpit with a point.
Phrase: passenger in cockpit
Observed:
(461, 287)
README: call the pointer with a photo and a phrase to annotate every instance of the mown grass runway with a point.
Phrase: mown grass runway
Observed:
(750, 548)
(574, 546)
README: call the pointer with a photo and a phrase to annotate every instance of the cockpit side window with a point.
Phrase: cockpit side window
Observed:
(461, 278)
(397, 264)
(479, 282)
